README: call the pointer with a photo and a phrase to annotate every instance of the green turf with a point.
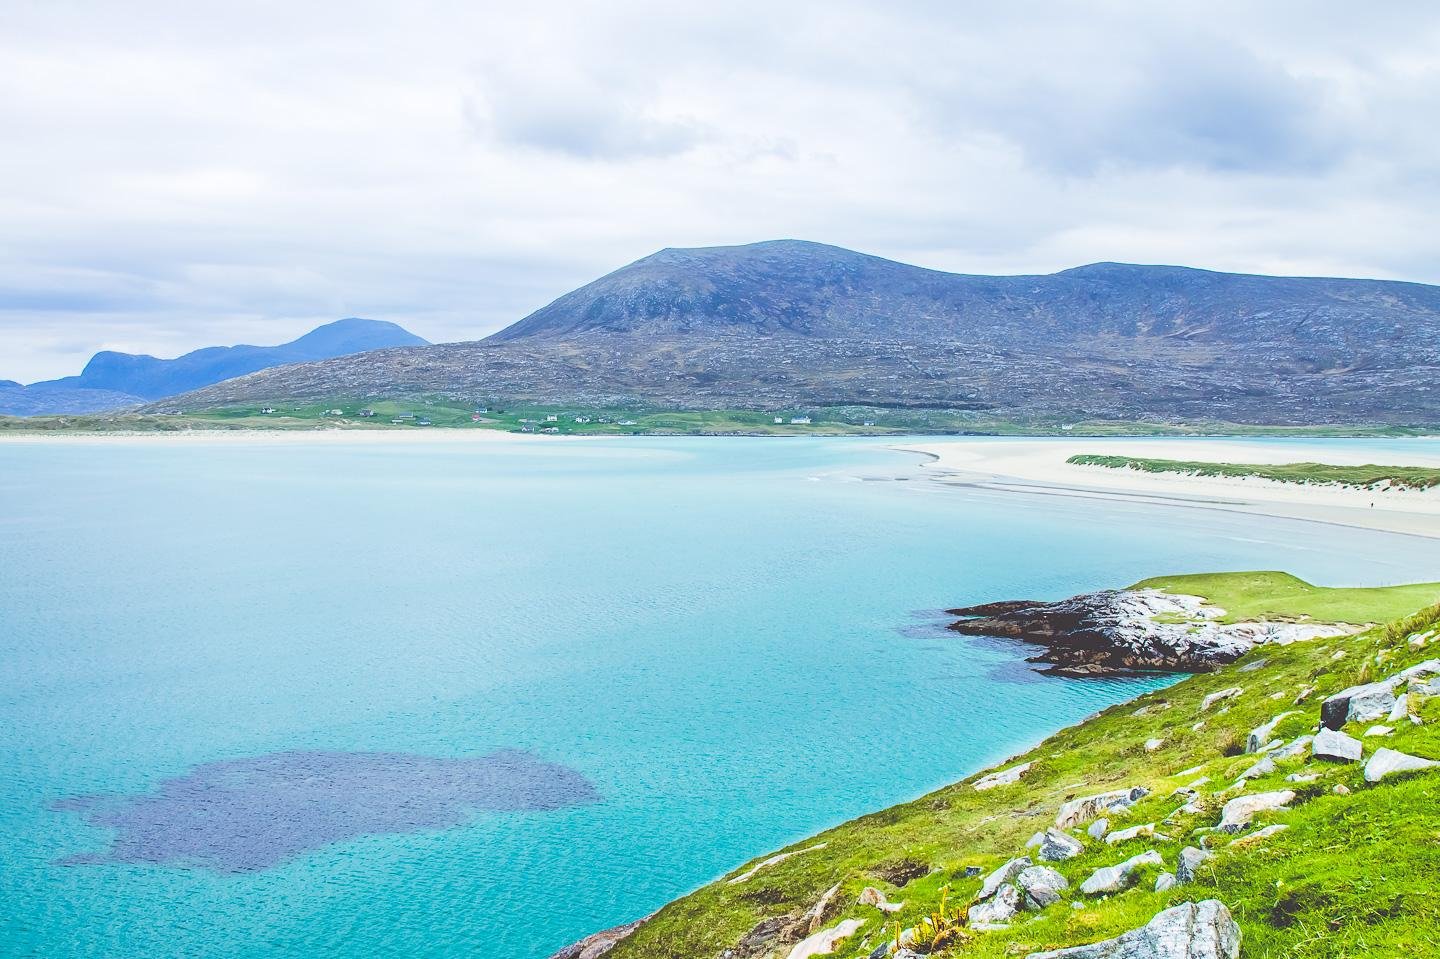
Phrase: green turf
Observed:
(450, 412)
(1276, 595)
(1354, 875)
(1361, 477)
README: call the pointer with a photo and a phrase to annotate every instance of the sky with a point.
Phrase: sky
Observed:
(177, 175)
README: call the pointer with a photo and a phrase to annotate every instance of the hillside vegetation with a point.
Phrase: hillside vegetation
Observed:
(1351, 873)
(1322, 474)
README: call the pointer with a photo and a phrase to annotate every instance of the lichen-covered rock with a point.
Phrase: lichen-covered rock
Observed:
(1003, 905)
(1238, 812)
(1058, 846)
(1079, 811)
(1134, 832)
(1336, 746)
(1387, 761)
(1190, 862)
(1166, 880)
(1041, 886)
(1117, 877)
(1192, 930)
(1004, 874)
(1098, 828)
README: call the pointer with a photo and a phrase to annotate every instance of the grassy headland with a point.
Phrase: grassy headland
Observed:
(410, 413)
(1270, 595)
(1352, 874)
(1365, 477)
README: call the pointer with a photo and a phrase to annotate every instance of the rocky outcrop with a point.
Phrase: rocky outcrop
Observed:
(1192, 930)
(1058, 846)
(824, 942)
(1238, 812)
(1362, 704)
(597, 945)
(1003, 778)
(1114, 631)
(1041, 886)
(1000, 907)
(1076, 812)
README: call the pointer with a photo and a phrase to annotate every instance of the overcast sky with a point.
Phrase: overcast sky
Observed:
(174, 175)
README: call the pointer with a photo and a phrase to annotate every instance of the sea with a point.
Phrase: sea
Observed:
(482, 698)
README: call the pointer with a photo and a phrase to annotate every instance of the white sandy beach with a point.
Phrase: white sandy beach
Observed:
(1037, 466)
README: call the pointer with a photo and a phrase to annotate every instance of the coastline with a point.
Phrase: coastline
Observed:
(1037, 466)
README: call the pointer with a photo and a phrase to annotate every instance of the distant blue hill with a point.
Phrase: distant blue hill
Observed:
(116, 380)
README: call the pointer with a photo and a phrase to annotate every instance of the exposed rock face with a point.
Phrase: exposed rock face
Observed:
(870, 896)
(1193, 930)
(1387, 761)
(1261, 734)
(597, 945)
(1113, 631)
(1117, 877)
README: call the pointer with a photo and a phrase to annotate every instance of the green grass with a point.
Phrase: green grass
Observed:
(1276, 595)
(1322, 474)
(1353, 876)
(446, 411)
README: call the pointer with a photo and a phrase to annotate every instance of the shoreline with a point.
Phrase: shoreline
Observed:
(1037, 466)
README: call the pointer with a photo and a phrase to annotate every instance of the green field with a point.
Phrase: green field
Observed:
(1353, 875)
(1274, 595)
(1362, 477)
(448, 412)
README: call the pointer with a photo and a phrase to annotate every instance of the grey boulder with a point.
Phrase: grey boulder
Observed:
(1337, 746)
(1041, 886)
(1058, 846)
(1190, 861)
(1387, 761)
(1117, 877)
(1192, 930)
(1363, 704)
(1003, 905)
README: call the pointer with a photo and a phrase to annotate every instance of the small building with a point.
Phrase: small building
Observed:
(799, 421)
(268, 410)
(552, 418)
(367, 413)
(474, 417)
(582, 419)
(627, 423)
(779, 419)
(551, 429)
(422, 422)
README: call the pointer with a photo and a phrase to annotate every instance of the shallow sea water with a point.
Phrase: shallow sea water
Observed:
(479, 699)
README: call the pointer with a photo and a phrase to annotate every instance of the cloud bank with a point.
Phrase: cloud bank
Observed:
(177, 175)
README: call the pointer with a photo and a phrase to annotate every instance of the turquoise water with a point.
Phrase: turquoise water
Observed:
(730, 643)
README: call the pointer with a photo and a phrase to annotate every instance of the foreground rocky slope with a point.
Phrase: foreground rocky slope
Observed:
(1282, 805)
(787, 323)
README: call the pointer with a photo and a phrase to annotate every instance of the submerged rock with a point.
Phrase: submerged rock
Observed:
(1192, 930)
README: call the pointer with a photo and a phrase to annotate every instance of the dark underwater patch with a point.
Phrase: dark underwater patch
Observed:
(244, 815)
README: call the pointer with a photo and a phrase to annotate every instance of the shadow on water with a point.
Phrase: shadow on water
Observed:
(245, 815)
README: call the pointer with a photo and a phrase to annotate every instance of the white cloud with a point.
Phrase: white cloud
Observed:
(178, 175)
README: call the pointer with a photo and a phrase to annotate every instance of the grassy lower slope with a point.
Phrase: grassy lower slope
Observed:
(1275, 595)
(1366, 477)
(1353, 875)
(448, 412)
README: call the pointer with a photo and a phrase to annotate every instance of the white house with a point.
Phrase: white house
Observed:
(799, 421)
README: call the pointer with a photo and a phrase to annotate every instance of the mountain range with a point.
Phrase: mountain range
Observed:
(117, 380)
(790, 323)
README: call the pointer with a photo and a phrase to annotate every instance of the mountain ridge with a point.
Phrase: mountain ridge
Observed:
(114, 380)
(791, 323)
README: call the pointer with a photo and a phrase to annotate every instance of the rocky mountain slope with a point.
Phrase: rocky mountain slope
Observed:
(1282, 805)
(789, 323)
(116, 380)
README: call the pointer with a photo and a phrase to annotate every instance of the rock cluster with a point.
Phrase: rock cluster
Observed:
(1114, 631)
